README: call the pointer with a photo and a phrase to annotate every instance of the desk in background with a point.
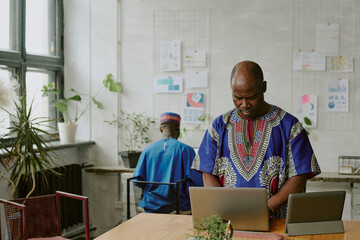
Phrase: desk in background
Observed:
(348, 182)
(148, 226)
(336, 178)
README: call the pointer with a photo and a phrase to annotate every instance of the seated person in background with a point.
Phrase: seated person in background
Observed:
(166, 160)
(256, 144)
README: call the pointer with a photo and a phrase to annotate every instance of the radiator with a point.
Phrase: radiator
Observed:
(69, 181)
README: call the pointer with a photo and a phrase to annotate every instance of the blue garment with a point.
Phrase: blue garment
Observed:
(279, 150)
(166, 160)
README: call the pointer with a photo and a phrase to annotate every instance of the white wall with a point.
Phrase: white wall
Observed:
(116, 36)
(90, 54)
(239, 30)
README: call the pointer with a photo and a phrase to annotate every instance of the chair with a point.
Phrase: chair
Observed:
(176, 184)
(41, 216)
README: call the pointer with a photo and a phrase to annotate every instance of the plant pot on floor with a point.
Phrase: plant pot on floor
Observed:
(130, 159)
(67, 132)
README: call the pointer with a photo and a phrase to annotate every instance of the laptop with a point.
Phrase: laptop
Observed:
(315, 213)
(245, 207)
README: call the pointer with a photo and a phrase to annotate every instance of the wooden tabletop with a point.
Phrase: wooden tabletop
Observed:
(148, 226)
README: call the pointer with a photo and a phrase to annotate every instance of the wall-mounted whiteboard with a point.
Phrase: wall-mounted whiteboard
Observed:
(189, 28)
(312, 22)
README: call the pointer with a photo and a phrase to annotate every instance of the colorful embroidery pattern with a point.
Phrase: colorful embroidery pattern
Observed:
(295, 130)
(315, 165)
(224, 167)
(248, 162)
(271, 169)
(196, 163)
(291, 170)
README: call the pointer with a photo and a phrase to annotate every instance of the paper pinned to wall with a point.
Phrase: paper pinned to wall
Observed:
(195, 58)
(341, 64)
(327, 39)
(310, 61)
(193, 107)
(170, 55)
(306, 107)
(169, 84)
(196, 79)
(337, 95)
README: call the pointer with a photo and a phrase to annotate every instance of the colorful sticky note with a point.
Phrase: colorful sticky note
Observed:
(305, 99)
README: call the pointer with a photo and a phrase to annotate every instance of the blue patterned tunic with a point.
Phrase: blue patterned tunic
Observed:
(280, 149)
(166, 162)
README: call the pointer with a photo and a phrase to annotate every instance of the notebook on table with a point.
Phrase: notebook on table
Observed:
(245, 207)
(315, 213)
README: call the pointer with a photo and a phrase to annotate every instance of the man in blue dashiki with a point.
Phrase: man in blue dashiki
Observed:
(256, 144)
(166, 160)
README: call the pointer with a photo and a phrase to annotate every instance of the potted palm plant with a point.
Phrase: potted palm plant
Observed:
(29, 151)
(67, 128)
(136, 128)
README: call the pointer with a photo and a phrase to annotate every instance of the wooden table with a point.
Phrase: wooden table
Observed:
(148, 226)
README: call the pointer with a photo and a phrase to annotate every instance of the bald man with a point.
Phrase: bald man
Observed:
(256, 144)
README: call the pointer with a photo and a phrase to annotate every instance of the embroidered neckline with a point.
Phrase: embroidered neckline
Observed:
(246, 139)
(248, 160)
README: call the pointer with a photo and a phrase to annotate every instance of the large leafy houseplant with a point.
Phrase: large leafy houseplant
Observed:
(29, 151)
(63, 103)
(136, 128)
(67, 129)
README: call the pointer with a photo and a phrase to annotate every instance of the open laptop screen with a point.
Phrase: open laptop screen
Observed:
(245, 207)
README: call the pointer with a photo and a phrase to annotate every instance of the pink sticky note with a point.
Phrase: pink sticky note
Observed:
(305, 99)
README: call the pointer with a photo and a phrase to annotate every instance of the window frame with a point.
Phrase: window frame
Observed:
(20, 60)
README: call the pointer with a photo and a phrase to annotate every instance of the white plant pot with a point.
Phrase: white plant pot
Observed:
(67, 132)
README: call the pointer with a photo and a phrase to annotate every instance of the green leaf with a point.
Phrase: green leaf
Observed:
(61, 106)
(202, 117)
(49, 89)
(307, 121)
(75, 98)
(111, 84)
(197, 127)
(97, 103)
(115, 87)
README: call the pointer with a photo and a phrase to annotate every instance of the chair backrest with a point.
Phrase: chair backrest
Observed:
(39, 216)
(175, 184)
(15, 219)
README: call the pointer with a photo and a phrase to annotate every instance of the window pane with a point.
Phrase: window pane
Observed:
(40, 27)
(41, 106)
(5, 24)
(6, 100)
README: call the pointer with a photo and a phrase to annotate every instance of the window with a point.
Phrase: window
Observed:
(31, 48)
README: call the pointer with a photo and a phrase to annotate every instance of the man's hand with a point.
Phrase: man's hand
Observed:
(294, 184)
